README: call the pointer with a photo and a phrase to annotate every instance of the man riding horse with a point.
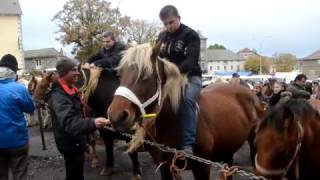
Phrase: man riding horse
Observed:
(181, 45)
(110, 55)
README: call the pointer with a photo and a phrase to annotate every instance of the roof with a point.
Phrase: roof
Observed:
(313, 56)
(36, 53)
(10, 7)
(222, 55)
(246, 50)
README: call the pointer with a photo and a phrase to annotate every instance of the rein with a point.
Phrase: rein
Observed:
(283, 172)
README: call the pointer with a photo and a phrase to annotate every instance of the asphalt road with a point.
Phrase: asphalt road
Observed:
(49, 165)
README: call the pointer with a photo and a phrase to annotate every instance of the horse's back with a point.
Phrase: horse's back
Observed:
(228, 111)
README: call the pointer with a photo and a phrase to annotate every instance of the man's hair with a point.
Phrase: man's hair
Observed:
(167, 11)
(109, 34)
(299, 77)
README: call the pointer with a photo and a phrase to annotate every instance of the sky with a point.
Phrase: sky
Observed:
(269, 26)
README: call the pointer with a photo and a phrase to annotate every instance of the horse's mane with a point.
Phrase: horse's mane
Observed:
(141, 58)
(292, 110)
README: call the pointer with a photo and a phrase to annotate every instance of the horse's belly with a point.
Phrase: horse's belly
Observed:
(228, 123)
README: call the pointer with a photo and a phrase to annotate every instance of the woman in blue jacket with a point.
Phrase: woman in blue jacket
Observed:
(14, 101)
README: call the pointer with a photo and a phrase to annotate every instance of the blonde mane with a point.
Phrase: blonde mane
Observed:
(139, 57)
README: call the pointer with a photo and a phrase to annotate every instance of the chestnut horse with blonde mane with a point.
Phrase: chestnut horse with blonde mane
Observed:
(287, 141)
(150, 85)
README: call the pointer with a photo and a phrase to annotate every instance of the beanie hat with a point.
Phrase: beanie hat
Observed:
(9, 61)
(65, 65)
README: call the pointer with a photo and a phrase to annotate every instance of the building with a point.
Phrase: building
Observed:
(10, 31)
(310, 65)
(246, 53)
(224, 60)
(41, 59)
(203, 51)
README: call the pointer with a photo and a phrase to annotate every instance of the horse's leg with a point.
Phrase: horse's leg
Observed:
(165, 168)
(165, 172)
(252, 146)
(108, 142)
(200, 171)
(95, 161)
(136, 166)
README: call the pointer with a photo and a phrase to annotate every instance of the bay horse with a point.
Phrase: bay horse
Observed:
(150, 85)
(98, 101)
(287, 141)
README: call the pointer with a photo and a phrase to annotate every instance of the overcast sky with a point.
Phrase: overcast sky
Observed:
(269, 26)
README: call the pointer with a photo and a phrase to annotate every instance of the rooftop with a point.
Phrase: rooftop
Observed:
(36, 53)
(10, 7)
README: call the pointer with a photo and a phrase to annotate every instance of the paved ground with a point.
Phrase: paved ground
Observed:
(48, 164)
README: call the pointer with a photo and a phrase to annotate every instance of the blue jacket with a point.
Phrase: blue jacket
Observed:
(14, 101)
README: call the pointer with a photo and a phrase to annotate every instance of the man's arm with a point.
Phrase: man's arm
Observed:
(113, 60)
(94, 57)
(192, 53)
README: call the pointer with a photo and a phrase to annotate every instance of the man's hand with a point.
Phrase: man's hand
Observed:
(101, 122)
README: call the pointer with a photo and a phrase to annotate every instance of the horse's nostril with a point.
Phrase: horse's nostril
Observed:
(123, 116)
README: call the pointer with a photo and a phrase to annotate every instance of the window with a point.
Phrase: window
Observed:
(38, 61)
(238, 68)
(225, 68)
(218, 68)
(210, 68)
(231, 67)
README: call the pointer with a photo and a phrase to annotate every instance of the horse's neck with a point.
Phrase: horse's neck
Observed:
(167, 126)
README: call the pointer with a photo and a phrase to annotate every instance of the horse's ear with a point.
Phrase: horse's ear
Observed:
(49, 76)
(156, 50)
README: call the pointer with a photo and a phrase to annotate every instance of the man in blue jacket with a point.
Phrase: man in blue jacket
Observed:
(14, 101)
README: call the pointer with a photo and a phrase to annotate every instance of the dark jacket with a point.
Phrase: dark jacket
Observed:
(274, 99)
(108, 58)
(183, 49)
(298, 91)
(70, 127)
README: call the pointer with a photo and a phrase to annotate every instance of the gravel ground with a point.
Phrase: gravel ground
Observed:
(49, 165)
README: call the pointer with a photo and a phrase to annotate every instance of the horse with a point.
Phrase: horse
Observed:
(98, 86)
(287, 141)
(151, 86)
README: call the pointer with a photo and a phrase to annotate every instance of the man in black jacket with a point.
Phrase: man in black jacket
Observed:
(181, 45)
(110, 55)
(70, 126)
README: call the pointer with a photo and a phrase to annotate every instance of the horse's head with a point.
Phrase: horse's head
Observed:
(145, 80)
(279, 138)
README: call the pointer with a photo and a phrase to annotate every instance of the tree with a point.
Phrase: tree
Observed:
(142, 31)
(81, 22)
(253, 64)
(216, 46)
(284, 62)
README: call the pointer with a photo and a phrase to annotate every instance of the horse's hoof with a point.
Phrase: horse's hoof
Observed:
(136, 177)
(106, 171)
(95, 163)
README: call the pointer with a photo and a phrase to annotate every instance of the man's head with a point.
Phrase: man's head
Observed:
(170, 17)
(108, 40)
(67, 70)
(9, 61)
(300, 79)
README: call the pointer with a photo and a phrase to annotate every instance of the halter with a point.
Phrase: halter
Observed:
(128, 94)
(284, 171)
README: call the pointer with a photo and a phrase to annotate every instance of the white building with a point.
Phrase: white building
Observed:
(224, 60)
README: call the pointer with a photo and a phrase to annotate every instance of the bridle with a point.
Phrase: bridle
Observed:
(131, 96)
(283, 172)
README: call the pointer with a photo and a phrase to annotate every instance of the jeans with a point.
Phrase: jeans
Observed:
(188, 111)
(15, 159)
